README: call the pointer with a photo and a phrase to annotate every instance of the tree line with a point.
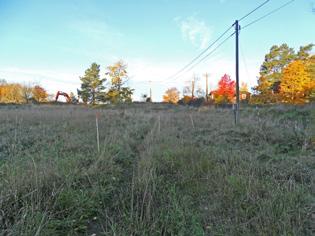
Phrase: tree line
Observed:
(21, 93)
(224, 94)
(285, 76)
(94, 89)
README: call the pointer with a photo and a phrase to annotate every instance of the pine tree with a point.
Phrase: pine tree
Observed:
(305, 52)
(271, 69)
(91, 85)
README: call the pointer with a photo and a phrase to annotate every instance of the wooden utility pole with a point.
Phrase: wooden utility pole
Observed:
(193, 88)
(237, 108)
(150, 90)
(207, 88)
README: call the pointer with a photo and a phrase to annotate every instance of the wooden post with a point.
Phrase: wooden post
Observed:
(159, 124)
(97, 115)
(192, 121)
(207, 88)
(192, 88)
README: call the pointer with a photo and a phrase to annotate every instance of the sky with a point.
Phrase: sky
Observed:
(52, 42)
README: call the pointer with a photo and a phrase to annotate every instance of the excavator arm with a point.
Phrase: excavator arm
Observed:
(60, 93)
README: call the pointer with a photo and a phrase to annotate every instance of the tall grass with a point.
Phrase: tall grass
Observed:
(161, 170)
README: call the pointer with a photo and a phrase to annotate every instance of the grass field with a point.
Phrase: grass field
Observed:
(161, 170)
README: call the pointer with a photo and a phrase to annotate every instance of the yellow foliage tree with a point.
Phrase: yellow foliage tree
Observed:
(187, 99)
(244, 87)
(118, 93)
(311, 70)
(17, 93)
(296, 83)
(171, 96)
(311, 66)
(11, 93)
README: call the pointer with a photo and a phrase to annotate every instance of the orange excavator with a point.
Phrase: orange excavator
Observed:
(60, 93)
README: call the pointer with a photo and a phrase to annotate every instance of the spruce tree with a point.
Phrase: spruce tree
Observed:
(91, 85)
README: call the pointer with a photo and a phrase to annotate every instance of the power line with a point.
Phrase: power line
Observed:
(261, 5)
(244, 62)
(191, 64)
(268, 14)
(203, 52)
(147, 82)
(209, 54)
(176, 75)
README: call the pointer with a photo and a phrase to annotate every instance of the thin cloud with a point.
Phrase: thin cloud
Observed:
(194, 30)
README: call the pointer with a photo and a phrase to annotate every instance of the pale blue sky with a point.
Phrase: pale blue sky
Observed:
(53, 42)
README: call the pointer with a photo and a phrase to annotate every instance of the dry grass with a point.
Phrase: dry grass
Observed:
(161, 170)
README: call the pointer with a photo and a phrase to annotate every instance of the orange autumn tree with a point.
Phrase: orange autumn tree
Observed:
(296, 83)
(39, 94)
(226, 90)
(171, 96)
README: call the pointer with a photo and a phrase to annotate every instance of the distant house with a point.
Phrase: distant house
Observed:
(244, 96)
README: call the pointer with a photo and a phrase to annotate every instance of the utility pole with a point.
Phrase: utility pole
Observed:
(150, 83)
(237, 108)
(207, 88)
(193, 88)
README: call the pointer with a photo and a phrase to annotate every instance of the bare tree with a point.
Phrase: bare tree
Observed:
(27, 91)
